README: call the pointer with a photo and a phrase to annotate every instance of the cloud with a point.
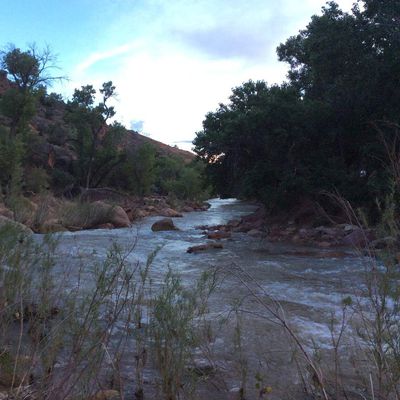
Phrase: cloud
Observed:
(100, 56)
(172, 62)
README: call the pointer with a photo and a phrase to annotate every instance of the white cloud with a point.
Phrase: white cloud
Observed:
(100, 56)
(183, 58)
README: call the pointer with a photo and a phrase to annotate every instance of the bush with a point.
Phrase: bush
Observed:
(36, 180)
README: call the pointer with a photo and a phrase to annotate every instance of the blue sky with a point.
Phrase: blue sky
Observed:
(172, 61)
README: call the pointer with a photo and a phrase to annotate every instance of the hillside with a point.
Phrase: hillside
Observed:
(54, 152)
(50, 116)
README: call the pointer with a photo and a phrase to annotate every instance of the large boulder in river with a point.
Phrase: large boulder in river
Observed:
(115, 215)
(77, 216)
(14, 225)
(165, 224)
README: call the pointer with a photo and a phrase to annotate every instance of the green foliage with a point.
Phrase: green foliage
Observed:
(23, 67)
(29, 69)
(36, 180)
(317, 132)
(180, 180)
(94, 141)
(20, 107)
(175, 327)
(11, 155)
(137, 171)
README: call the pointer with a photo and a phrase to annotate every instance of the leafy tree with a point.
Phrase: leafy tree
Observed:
(141, 168)
(31, 68)
(318, 131)
(30, 71)
(96, 143)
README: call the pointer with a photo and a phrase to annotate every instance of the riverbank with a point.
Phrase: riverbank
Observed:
(95, 209)
(285, 229)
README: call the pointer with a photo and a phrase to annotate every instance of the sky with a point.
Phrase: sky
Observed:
(172, 61)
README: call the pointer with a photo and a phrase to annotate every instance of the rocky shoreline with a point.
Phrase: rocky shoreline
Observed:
(108, 209)
(99, 209)
(258, 224)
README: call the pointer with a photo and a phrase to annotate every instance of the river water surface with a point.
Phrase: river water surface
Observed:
(308, 285)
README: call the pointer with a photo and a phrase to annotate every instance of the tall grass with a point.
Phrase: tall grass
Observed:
(71, 331)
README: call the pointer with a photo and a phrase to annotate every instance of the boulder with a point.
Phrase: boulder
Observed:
(350, 228)
(170, 213)
(358, 238)
(165, 224)
(218, 235)
(119, 218)
(114, 215)
(51, 226)
(234, 223)
(4, 221)
(203, 247)
(139, 214)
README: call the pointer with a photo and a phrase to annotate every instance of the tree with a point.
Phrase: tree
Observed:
(31, 68)
(318, 131)
(95, 142)
(30, 71)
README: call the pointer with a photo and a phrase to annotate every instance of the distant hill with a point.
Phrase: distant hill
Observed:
(135, 139)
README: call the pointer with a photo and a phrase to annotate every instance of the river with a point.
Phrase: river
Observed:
(307, 286)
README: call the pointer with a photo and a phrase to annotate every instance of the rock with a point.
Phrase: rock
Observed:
(114, 215)
(211, 228)
(107, 225)
(383, 243)
(51, 226)
(218, 235)
(234, 223)
(139, 214)
(255, 233)
(357, 238)
(187, 209)
(203, 247)
(4, 221)
(350, 228)
(324, 244)
(165, 224)
(119, 218)
(256, 219)
(106, 395)
(169, 212)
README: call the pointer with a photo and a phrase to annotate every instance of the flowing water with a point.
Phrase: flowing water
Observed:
(308, 286)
